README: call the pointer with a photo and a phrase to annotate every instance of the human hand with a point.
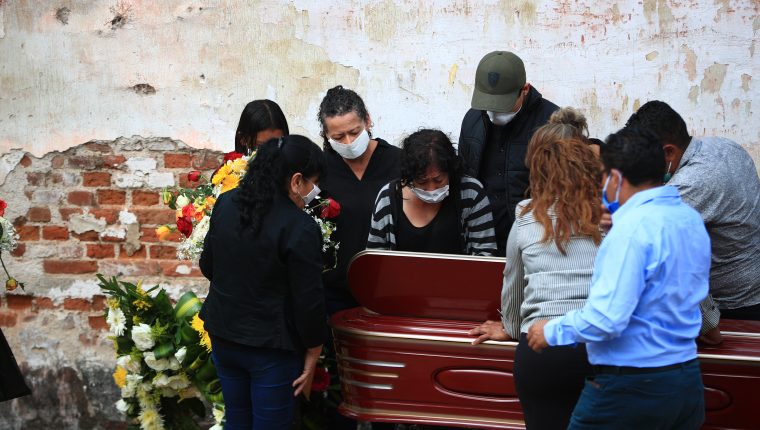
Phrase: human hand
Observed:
(536, 339)
(605, 223)
(489, 330)
(303, 383)
(711, 338)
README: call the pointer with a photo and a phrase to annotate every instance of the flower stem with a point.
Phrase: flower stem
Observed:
(3, 263)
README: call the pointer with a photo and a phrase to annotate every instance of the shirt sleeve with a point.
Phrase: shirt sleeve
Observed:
(478, 219)
(613, 296)
(304, 262)
(710, 314)
(381, 234)
(513, 289)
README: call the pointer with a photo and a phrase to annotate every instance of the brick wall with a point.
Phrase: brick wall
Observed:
(91, 209)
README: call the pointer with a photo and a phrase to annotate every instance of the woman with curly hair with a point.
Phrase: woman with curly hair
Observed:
(433, 207)
(267, 323)
(550, 256)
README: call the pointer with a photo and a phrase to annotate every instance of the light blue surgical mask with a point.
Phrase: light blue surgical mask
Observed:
(614, 205)
(311, 195)
(435, 196)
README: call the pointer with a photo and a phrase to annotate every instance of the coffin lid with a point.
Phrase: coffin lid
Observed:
(440, 286)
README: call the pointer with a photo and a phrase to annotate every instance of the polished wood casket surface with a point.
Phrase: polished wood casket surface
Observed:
(406, 357)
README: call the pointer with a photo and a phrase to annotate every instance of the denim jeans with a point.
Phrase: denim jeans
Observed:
(672, 399)
(257, 385)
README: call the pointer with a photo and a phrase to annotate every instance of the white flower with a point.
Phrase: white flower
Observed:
(168, 392)
(179, 382)
(8, 240)
(182, 201)
(122, 406)
(216, 427)
(189, 393)
(150, 419)
(117, 322)
(218, 411)
(161, 380)
(154, 363)
(142, 337)
(130, 388)
(180, 354)
(131, 366)
(173, 363)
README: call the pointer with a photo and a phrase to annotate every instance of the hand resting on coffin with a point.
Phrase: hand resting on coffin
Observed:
(489, 330)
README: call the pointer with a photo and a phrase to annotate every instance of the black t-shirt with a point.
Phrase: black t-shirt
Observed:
(357, 201)
(441, 235)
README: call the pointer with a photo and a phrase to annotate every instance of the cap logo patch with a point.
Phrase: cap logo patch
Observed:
(493, 79)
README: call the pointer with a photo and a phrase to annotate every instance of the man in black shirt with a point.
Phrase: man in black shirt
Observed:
(506, 110)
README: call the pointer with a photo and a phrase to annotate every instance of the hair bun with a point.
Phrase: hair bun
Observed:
(570, 116)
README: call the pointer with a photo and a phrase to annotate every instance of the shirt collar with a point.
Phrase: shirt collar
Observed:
(643, 197)
(692, 149)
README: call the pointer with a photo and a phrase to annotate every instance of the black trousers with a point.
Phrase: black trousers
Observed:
(549, 383)
(12, 383)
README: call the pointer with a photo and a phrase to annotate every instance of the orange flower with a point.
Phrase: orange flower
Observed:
(163, 232)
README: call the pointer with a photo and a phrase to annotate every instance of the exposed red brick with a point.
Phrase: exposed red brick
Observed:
(96, 179)
(144, 198)
(206, 161)
(112, 197)
(8, 319)
(169, 268)
(69, 267)
(97, 147)
(97, 322)
(28, 233)
(99, 302)
(19, 251)
(113, 161)
(35, 178)
(18, 302)
(177, 160)
(159, 252)
(129, 268)
(44, 303)
(55, 232)
(38, 214)
(95, 250)
(66, 213)
(112, 239)
(81, 198)
(25, 161)
(109, 215)
(88, 236)
(76, 304)
(19, 221)
(140, 254)
(155, 216)
(86, 163)
(148, 234)
(57, 161)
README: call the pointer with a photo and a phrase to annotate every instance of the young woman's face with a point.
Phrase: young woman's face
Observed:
(433, 179)
(264, 135)
(345, 128)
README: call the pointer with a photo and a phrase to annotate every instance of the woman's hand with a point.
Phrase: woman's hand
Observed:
(303, 383)
(489, 330)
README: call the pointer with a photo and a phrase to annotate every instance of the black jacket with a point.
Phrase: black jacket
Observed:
(266, 289)
(474, 136)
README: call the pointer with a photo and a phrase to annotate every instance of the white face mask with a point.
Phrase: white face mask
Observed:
(314, 193)
(354, 149)
(435, 196)
(502, 118)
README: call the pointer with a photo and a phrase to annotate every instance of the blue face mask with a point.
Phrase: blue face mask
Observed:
(615, 205)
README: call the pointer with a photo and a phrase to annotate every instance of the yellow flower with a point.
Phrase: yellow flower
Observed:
(113, 303)
(141, 304)
(222, 173)
(120, 377)
(197, 325)
(230, 182)
(210, 201)
(239, 166)
(163, 232)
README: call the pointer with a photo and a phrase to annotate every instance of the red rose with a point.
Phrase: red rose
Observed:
(321, 380)
(188, 211)
(331, 209)
(185, 225)
(3, 205)
(193, 176)
(231, 156)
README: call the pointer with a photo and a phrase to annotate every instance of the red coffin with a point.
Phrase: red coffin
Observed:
(406, 357)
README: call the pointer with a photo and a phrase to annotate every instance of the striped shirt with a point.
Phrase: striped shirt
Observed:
(476, 219)
(539, 281)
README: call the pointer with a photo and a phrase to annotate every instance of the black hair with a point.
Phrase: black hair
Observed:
(637, 153)
(595, 141)
(258, 115)
(339, 101)
(269, 172)
(662, 120)
(425, 148)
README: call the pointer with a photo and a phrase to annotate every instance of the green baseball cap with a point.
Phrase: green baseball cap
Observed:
(498, 81)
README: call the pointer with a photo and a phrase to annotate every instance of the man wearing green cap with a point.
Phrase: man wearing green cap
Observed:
(506, 110)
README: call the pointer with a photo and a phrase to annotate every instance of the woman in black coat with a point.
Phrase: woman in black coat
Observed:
(265, 308)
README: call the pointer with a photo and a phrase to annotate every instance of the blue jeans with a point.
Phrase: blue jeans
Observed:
(257, 385)
(672, 399)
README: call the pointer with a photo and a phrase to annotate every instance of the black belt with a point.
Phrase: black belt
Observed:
(628, 370)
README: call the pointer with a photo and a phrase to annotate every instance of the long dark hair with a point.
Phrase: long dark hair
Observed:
(339, 101)
(258, 115)
(269, 173)
(427, 148)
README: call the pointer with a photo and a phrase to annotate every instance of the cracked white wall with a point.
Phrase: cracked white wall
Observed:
(72, 71)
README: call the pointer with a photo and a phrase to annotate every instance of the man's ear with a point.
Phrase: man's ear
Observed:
(672, 152)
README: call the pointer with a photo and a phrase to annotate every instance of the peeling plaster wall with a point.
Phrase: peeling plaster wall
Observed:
(72, 71)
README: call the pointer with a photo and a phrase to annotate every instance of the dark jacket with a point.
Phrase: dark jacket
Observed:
(266, 289)
(473, 138)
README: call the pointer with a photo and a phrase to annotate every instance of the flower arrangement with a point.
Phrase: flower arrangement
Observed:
(194, 206)
(163, 363)
(8, 242)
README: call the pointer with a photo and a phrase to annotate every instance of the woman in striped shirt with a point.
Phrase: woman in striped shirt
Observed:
(433, 207)
(550, 257)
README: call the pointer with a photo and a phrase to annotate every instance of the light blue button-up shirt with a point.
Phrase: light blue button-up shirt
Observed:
(650, 274)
